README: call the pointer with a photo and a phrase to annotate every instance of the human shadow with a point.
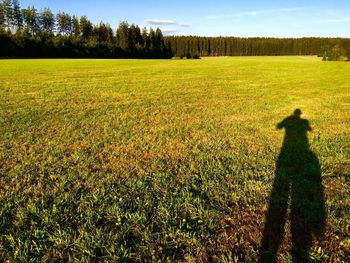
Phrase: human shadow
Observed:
(297, 175)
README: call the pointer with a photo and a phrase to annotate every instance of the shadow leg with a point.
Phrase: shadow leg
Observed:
(275, 218)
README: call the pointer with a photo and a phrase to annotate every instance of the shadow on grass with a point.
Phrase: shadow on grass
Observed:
(298, 176)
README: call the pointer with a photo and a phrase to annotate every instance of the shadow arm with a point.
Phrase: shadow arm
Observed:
(308, 126)
(280, 125)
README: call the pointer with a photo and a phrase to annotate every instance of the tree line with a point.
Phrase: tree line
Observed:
(194, 46)
(28, 32)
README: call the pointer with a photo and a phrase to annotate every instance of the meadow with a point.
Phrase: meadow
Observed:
(163, 160)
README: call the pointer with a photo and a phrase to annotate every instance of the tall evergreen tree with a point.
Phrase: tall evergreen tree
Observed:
(132, 38)
(137, 40)
(159, 41)
(64, 23)
(8, 13)
(85, 27)
(47, 20)
(152, 40)
(123, 36)
(145, 40)
(17, 15)
(76, 26)
(2, 16)
(103, 32)
(30, 18)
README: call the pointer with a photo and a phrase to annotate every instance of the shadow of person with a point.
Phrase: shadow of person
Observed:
(298, 176)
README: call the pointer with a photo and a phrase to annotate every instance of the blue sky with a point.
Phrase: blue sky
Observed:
(294, 18)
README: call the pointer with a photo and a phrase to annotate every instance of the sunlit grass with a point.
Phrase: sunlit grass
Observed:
(161, 159)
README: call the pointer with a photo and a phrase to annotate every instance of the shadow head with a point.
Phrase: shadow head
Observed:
(297, 112)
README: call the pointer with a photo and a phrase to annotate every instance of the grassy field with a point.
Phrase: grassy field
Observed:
(162, 160)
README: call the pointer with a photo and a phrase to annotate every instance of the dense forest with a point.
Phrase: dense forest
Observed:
(31, 33)
(192, 46)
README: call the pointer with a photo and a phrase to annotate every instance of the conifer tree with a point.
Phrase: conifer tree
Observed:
(30, 18)
(123, 36)
(85, 27)
(2, 16)
(47, 20)
(17, 15)
(8, 13)
(139, 39)
(159, 41)
(152, 40)
(76, 26)
(132, 36)
(145, 40)
(103, 32)
(64, 23)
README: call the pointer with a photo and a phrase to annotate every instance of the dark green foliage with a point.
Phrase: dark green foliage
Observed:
(64, 23)
(103, 33)
(85, 27)
(47, 20)
(17, 15)
(152, 40)
(134, 37)
(159, 45)
(8, 13)
(145, 40)
(137, 44)
(336, 53)
(2, 16)
(122, 36)
(31, 19)
(34, 35)
(190, 46)
(76, 26)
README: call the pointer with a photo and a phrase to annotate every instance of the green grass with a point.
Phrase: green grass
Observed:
(162, 160)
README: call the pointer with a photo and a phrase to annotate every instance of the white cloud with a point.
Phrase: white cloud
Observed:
(162, 22)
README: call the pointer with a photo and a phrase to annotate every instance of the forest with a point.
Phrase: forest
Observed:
(193, 46)
(29, 33)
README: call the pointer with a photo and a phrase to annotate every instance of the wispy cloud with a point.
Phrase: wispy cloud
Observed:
(159, 22)
(256, 12)
(162, 22)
